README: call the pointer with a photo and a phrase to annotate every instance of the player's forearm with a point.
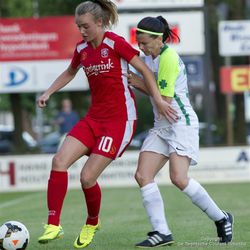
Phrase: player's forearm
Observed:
(151, 86)
(167, 99)
(138, 83)
(60, 82)
(148, 77)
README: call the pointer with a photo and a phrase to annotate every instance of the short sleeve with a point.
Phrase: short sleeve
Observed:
(168, 72)
(75, 61)
(124, 49)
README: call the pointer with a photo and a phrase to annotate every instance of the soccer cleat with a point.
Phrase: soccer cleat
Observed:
(86, 235)
(225, 228)
(156, 239)
(51, 232)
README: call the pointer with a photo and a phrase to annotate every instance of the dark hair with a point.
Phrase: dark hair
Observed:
(105, 9)
(157, 24)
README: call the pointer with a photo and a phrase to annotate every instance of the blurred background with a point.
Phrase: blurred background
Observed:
(37, 40)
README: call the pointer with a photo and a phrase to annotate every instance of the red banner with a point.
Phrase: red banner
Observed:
(235, 79)
(47, 38)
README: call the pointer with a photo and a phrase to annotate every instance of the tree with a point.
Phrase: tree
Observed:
(232, 10)
(17, 102)
(15, 8)
(25, 103)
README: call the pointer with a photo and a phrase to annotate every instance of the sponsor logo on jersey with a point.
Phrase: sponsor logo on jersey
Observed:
(99, 68)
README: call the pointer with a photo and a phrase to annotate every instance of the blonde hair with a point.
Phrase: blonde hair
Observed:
(104, 9)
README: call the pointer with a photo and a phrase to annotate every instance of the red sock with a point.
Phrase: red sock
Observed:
(57, 188)
(93, 197)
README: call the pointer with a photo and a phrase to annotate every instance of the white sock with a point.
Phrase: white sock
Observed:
(201, 199)
(154, 206)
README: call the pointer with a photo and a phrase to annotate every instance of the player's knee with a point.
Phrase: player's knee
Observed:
(137, 177)
(142, 180)
(87, 181)
(58, 163)
(179, 181)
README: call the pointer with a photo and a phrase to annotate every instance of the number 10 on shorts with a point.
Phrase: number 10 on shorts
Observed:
(105, 144)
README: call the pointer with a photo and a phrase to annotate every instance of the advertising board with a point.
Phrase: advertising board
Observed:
(234, 38)
(31, 172)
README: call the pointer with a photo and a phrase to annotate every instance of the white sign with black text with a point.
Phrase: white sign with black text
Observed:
(234, 38)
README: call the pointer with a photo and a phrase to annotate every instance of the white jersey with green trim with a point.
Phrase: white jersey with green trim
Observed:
(170, 74)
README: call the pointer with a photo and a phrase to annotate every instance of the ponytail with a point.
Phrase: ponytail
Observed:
(156, 26)
(104, 9)
(168, 34)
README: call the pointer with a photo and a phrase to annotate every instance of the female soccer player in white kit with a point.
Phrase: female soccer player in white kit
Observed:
(177, 143)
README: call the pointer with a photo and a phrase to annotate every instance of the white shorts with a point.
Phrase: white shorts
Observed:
(184, 140)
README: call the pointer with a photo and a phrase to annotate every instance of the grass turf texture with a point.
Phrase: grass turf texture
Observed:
(124, 221)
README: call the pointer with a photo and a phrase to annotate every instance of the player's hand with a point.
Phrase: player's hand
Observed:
(41, 101)
(133, 79)
(136, 81)
(165, 109)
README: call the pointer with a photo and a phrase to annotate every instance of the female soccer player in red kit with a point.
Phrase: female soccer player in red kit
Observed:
(107, 129)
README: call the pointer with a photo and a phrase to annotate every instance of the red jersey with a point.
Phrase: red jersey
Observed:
(105, 67)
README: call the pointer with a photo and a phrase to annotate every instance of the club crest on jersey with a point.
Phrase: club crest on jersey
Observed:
(104, 53)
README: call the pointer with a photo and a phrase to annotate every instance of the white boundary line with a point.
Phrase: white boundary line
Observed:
(16, 201)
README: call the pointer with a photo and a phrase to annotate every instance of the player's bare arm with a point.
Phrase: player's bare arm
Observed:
(137, 82)
(61, 81)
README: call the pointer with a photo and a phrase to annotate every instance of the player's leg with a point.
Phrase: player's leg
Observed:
(149, 165)
(69, 152)
(179, 166)
(112, 141)
(113, 138)
(90, 172)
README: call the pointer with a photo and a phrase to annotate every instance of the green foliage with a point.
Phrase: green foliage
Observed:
(4, 102)
(57, 7)
(236, 10)
(124, 221)
(28, 102)
(16, 8)
(233, 10)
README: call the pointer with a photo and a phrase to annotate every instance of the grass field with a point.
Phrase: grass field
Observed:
(124, 221)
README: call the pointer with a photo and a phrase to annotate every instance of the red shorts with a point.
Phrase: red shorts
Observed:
(109, 139)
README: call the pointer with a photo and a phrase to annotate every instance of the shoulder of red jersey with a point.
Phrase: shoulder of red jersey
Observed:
(81, 45)
(112, 35)
(111, 38)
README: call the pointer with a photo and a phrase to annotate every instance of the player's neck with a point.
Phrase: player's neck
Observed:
(98, 40)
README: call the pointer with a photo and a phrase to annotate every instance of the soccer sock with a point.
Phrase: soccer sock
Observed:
(93, 197)
(57, 189)
(201, 199)
(154, 206)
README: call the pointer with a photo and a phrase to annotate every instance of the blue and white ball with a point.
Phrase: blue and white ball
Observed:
(14, 235)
